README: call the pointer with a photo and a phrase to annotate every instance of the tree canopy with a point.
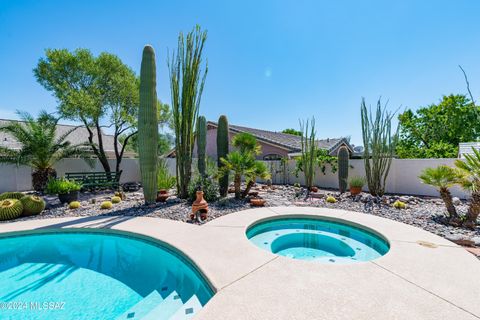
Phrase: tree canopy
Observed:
(292, 131)
(436, 130)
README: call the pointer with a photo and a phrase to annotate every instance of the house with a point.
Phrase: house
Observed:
(78, 136)
(275, 145)
(466, 148)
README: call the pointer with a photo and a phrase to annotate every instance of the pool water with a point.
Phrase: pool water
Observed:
(316, 239)
(77, 275)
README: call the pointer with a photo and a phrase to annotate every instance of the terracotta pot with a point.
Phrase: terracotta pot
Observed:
(231, 190)
(355, 190)
(257, 202)
(314, 189)
(163, 191)
(200, 205)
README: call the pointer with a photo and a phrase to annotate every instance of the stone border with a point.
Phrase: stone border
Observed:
(423, 276)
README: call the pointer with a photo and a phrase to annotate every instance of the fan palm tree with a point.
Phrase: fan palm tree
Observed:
(259, 170)
(238, 163)
(470, 180)
(40, 146)
(443, 178)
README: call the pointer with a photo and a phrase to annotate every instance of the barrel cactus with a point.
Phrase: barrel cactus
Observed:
(105, 205)
(11, 195)
(10, 209)
(32, 205)
(222, 151)
(202, 145)
(342, 159)
(116, 199)
(147, 125)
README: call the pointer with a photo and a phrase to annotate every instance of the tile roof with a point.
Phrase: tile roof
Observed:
(80, 135)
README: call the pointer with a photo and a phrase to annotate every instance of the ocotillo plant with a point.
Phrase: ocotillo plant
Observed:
(202, 144)
(147, 125)
(342, 164)
(379, 146)
(222, 152)
(186, 85)
(309, 151)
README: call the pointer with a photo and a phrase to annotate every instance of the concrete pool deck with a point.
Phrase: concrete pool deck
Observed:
(423, 276)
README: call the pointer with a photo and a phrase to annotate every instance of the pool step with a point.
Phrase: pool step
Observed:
(166, 308)
(188, 310)
(142, 307)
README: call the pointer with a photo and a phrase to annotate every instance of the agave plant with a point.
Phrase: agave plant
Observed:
(443, 178)
(470, 180)
(41, 148)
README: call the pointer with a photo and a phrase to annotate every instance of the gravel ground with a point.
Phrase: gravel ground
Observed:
(423, 212)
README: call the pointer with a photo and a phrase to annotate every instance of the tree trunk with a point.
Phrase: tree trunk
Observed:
(40, 178)
(447, 199)
(100, 153)
(237, 183)
(473, 210)
(248, 187)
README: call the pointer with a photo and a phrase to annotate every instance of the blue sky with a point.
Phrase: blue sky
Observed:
(270, 62)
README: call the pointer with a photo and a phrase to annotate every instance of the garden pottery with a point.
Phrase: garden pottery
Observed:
(199, 205)
(68, 197)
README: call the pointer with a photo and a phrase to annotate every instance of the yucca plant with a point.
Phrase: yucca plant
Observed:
(443, 178)
(470, 180)
(186, 85)
(41, 147)
(308, 158)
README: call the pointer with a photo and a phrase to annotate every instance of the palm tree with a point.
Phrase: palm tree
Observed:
(443, 178)
(40, 147)
(259, 170)
(470, 180)
(238, 163)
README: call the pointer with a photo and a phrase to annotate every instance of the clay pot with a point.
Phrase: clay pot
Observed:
(231, 190)
(355, 190)
(201, 205)
(162, 195)
(257, 202)
(314, 189)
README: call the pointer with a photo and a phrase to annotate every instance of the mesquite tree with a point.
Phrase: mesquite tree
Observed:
(379, 146)
(309, 151)
(186, 85)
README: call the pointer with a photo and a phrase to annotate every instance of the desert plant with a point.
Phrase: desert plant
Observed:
(208, 185)
(442, 178)
(74, 205)
(239, 164)
(186, 85)
(296, 185)
(148, 125)
(41, 148)
(331, 199)
(105, 205)
(222, 152)
(399, 205)
(379, 146)
(470, 180)
(356, 182)
(309, 151)
(165, 181)
(10, 209)
(259, 170)
(62, 186)
(32, 205)
(12, 195)
(116, 199)
(342, 160)
(202, 145)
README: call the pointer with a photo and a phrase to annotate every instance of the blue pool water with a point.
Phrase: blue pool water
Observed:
(77, 275)
(316, 239)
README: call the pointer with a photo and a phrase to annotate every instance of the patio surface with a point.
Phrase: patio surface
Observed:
(411, 281)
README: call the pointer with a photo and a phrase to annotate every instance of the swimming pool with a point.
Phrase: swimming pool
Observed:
(92, 275)
(317, 239)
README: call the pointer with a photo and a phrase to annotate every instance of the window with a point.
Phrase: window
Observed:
(272, 156)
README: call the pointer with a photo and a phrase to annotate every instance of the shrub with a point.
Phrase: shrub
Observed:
(116, 199)
(207, 185)
(10, 209)
(62, 186)
(74, 205)
(106, 205)
(357, 182)
(32, 205)
(11, 195)
(331, 199)
(399, 204)
(296, 185)
(164, 179)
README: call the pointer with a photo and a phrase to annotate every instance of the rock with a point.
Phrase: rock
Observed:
(404, 199)
(456, 201)
(460, 239)
(476, 240)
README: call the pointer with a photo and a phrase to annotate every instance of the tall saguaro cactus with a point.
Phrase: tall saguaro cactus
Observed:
(147, 125)
(222, 151)
(342, 160)
(202, 145)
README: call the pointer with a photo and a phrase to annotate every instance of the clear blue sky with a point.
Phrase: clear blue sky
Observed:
(270, 62)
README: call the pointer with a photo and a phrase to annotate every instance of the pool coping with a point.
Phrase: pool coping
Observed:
(423, 276)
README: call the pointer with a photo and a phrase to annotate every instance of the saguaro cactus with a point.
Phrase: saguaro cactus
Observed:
(148, 125)
(202, 145)
(342, 159)
(222, 151)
